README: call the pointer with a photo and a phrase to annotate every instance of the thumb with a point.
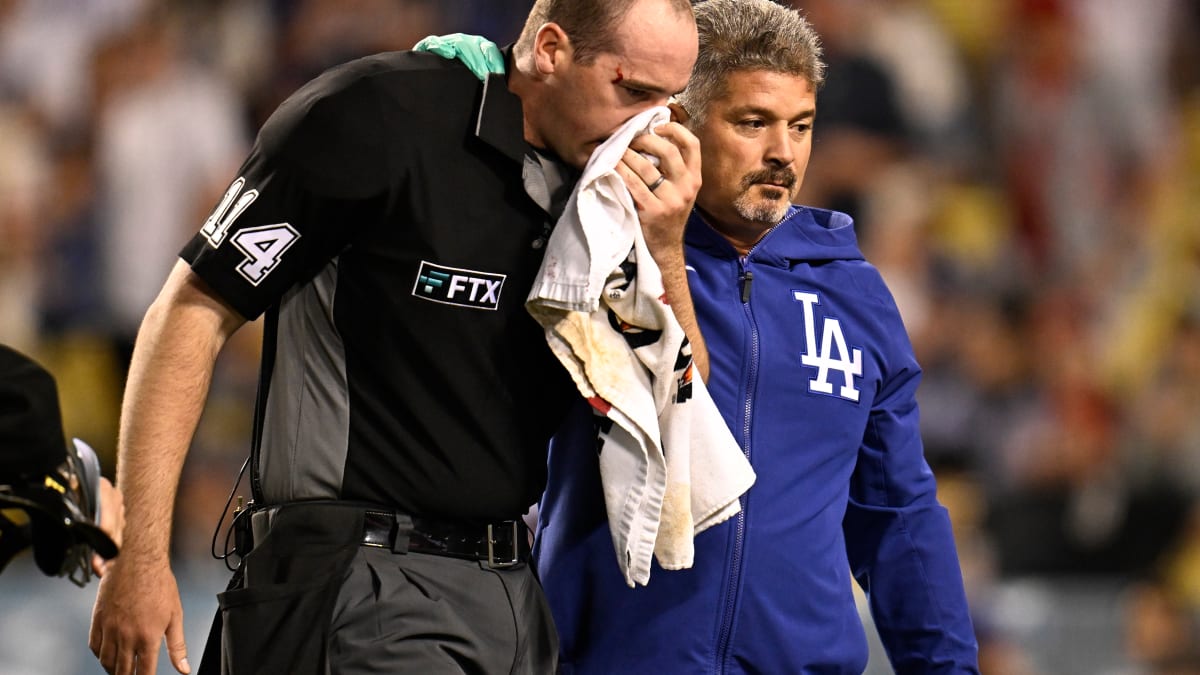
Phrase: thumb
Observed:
(98, 564)
(177, 646)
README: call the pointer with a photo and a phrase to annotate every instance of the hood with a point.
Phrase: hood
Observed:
(805, 233)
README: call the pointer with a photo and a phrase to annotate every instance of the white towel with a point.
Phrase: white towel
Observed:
(670, 467)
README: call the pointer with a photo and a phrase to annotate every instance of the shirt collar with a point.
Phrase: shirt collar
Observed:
(805, 233)
(501, 122)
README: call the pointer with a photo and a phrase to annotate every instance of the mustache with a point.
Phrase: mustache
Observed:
(783, 177)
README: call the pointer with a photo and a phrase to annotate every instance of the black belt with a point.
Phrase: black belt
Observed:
(501, 544)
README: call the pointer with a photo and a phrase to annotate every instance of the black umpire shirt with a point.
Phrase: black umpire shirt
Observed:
(382, 224)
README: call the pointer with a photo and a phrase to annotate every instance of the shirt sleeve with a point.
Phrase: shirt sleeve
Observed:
(313, 179)
(899, 540)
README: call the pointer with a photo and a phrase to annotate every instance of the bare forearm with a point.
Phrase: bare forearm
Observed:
(663, 212)
(168, 383)
(670, 262)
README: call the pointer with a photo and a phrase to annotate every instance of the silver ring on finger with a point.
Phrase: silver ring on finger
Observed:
(661, 179)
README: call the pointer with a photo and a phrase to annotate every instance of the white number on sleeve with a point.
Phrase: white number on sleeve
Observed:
(217, 225)
(263, 247)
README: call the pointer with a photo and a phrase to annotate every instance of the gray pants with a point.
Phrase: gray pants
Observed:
(419, 613)
(310, 600)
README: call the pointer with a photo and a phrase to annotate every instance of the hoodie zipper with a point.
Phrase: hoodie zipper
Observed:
(746, 279)
(725, 636)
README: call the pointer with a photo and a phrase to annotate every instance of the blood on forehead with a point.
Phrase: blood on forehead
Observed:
(620, 76)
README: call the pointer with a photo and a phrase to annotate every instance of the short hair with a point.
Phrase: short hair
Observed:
(740, 35)
(591, 24)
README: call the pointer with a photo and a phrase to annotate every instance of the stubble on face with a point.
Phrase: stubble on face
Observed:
(776, 187)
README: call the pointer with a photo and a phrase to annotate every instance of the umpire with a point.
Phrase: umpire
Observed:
(388, 224)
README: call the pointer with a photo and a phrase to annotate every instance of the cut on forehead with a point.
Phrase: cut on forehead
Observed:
(656, 48)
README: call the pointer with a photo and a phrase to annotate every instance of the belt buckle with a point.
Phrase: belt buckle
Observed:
(491, 546)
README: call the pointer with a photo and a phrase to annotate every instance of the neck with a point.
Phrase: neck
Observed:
(520, 74)
(741, 237)
(524, 83)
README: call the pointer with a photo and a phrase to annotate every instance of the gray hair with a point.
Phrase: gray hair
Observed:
(591, 24)
(739, 35)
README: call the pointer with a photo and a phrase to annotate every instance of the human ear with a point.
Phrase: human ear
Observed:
(678, 112)
(550, 47)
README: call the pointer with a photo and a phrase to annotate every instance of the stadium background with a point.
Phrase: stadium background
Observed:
(1026, 174)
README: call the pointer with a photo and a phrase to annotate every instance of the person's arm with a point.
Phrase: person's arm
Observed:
(900, 543)
(138, 603)
(664, 212)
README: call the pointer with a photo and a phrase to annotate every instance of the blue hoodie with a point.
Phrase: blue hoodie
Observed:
(812, 369)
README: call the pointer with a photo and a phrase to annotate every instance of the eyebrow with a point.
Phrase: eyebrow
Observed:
(757, 110)
(645, 86)
(641, 85)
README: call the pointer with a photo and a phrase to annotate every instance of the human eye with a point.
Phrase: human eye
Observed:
(801, 128)
(636, 94)
(752, 123)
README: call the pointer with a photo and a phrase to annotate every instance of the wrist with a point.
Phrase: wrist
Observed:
(145, 553)
(667, 253)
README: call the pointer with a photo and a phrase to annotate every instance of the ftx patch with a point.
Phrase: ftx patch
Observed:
(455, 286)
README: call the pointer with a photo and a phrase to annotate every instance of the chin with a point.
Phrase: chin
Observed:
(766, 213)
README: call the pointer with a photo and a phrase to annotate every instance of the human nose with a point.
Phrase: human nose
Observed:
(777, 148)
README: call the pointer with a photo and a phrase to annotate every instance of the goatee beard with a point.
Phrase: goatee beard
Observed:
(759, 211)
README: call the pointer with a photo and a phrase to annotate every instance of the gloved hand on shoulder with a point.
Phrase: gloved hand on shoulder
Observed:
(480, 55)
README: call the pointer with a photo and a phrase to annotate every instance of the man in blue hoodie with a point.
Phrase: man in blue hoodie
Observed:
(811, 367)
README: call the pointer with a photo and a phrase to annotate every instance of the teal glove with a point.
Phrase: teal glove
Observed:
(480, 55)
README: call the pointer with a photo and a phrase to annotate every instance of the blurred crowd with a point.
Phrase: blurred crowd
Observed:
(1025, 173)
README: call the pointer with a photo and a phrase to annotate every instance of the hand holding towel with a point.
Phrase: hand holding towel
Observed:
(669, 466)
